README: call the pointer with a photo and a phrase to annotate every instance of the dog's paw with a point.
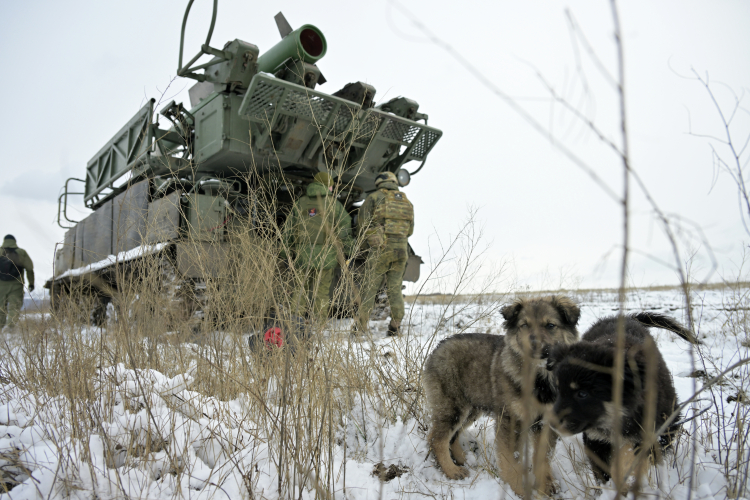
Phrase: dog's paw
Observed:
(458, 453)
(551, 488)
(456, 472)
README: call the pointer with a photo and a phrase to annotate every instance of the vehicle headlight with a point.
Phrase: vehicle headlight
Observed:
(403, 177)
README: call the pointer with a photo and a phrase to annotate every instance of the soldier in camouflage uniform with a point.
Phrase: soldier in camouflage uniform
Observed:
(386, 220)
(318, 231)
(13, 262)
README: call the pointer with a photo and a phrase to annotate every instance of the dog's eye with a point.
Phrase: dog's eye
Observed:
(582, 394)
(523, 326)
(550, 326)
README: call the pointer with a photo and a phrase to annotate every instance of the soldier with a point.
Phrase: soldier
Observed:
(386, 220)
(13, 262)
(318, 231)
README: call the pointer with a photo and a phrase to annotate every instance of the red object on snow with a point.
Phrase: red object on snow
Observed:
(273, 336)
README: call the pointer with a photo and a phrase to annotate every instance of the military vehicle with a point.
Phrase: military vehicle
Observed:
(256, 121)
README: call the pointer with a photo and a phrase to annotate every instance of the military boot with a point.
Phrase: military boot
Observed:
(394, 328)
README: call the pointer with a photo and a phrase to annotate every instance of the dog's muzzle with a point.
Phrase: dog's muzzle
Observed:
(561, 427)
(561, 422)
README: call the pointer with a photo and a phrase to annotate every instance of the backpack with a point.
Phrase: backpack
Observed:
(10, 265)
(394, 213)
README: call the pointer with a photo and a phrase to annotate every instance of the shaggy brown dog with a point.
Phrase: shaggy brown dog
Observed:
(506, 376)
(584, 400)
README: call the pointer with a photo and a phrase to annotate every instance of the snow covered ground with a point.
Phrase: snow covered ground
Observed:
(158, 438)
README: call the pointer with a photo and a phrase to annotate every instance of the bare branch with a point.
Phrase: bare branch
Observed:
(512, 103)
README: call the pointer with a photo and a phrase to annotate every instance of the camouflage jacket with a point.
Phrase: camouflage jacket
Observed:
(386, 215)
(318, 226)
(23, 259)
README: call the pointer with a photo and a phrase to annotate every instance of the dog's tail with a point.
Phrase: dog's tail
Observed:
(662, 321)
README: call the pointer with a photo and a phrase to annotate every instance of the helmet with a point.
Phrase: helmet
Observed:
(324, 178)
(385, 177)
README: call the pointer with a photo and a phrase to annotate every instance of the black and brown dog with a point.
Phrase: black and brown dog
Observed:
(469, 374)
(584, 402)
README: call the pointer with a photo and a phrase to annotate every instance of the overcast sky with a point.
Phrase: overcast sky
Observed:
(75, 72)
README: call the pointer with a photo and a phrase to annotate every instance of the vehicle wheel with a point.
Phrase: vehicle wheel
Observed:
(185, 298)
(59, 297)
(81, 303)
(98, 310)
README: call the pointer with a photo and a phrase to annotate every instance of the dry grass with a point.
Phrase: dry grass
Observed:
(179, 347)
(298, 406)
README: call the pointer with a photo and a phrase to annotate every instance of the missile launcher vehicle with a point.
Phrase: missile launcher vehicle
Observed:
(257, 128)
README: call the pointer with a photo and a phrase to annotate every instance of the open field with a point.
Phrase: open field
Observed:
(95, 413)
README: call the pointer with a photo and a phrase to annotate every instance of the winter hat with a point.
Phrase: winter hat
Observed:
(324, 178)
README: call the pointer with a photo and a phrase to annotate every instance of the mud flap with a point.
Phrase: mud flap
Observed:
(413, 262)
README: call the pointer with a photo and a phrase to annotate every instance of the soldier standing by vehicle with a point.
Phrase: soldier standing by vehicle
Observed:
(386, 220)
(317, 230)
(13, 262)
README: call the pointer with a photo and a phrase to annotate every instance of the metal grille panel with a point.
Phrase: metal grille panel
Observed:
(368, 127)
(263, 101)
(312, 107)
(343, 119)
(335, 118)
(424, 144)
(402, 132)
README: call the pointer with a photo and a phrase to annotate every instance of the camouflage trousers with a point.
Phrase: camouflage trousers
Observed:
(312, 293)
(11, 300)
(388, 264)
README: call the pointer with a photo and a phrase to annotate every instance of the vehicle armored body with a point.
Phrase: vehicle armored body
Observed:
(256, 133)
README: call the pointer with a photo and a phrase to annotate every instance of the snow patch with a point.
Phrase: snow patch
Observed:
(134, 253)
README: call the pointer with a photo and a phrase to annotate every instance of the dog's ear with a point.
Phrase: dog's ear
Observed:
(510, 313)
(568, 309)
(559, 352)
